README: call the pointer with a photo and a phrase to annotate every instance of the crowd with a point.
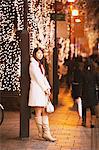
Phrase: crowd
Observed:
(84, 81)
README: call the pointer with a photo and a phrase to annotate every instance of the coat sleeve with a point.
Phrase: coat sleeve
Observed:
(38, 76)
(47, 83)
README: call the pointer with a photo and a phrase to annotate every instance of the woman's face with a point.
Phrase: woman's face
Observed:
(39, 54)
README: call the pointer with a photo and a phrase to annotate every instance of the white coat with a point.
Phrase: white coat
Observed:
(38, 84)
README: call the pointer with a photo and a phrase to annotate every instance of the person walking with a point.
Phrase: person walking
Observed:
(90, 78)
(76, 87)
(39, 93)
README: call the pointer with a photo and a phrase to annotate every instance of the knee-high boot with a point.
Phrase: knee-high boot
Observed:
(38, 121)
(79, 102)
(46, 130)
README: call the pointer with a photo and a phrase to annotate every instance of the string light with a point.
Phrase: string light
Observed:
(41, 30)
(10, 51)
(41, 27)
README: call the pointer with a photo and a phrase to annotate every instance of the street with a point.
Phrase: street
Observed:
(64, 124)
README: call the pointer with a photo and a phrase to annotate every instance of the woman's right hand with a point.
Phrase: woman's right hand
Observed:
(47, 92)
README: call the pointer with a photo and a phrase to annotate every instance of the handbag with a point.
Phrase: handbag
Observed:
(49, 107)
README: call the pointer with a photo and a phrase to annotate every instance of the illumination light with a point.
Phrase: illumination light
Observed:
(75, 12)
(42, 30)
(71, 1)
(10, 52)
(77, 20)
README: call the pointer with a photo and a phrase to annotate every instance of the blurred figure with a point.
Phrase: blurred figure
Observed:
(70, 65)
(90, 79)
(39, 93)
(76, 88)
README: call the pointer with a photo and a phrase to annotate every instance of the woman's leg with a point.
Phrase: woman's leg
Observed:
(93, 117)
(83, 115)
(44, 113)
(46, 128)
(38, 111)
(79, 103)
(38, 120)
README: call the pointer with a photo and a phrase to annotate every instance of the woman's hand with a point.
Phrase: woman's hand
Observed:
(47, 92)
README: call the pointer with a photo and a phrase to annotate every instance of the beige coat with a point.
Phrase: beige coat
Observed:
(38, 84)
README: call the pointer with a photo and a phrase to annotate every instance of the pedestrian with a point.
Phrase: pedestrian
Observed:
(90, 79)
(39, 93)
(76, 87)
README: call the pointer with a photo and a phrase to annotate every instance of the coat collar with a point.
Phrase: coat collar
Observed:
(34, 61)
(37, 64)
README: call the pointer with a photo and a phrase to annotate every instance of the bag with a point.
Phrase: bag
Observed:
(49, 107)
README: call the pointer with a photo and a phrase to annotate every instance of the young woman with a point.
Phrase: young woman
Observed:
(39, 93)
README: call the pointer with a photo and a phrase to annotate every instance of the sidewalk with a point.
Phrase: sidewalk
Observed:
(64, 124)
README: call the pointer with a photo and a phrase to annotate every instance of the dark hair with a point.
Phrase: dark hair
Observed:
(34, 53)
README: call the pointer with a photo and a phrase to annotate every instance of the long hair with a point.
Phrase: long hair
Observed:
(34, 55)
(39, 61)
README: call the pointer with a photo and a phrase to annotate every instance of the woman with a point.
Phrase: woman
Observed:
(39, 93)
(76, 88)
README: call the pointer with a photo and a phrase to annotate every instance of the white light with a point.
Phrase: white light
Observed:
(75, 12)
(71, 1)
(42, 33)
(77, 20)
(9, 46)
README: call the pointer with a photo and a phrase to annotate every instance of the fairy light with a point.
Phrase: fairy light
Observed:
(41, 30)
(41, 26)
(10, 51)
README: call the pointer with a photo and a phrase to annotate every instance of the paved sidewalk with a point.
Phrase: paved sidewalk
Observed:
(64, 124)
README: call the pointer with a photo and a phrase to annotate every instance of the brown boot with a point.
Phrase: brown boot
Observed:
(46, 130)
